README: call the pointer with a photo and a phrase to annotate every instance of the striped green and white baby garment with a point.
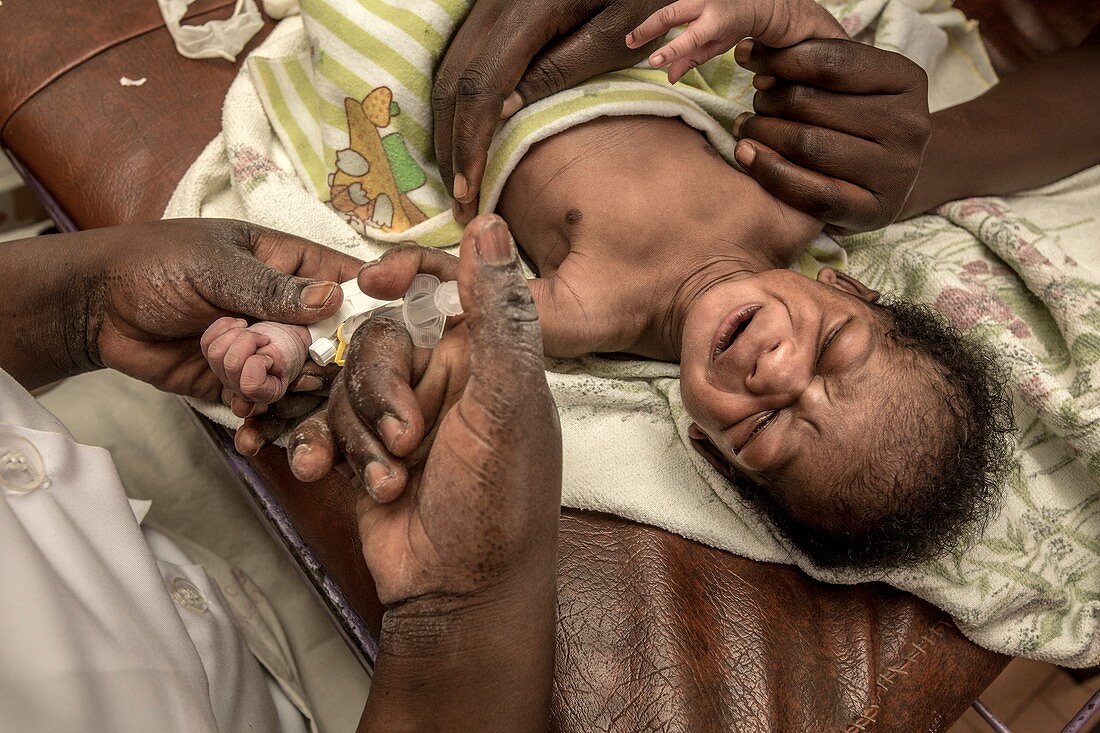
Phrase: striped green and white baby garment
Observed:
(354, 109)
(354, 112)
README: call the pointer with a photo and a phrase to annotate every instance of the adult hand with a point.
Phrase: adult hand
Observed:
(839, 131)
(156, 287)
(562, 297)
(460, 451)
(480, 401)
(509, 53)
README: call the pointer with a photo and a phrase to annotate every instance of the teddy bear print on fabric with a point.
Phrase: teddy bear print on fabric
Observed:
(375, 173)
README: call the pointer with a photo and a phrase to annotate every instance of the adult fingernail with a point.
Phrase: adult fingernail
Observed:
(309, 383)
(494, 244)
(371, 263)
(739, 122)
(257, 408)
(745, 153)
(300, 452)
(742, 51)
(511, 105)
(462, 187)
(763, 82)
(377, 475)
(315, 296)
(657, 60)
(391, 429)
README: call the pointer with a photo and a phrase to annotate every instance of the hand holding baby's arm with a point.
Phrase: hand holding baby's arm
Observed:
(715, 26)
(839, 129)
(256, 364)
(568, 325)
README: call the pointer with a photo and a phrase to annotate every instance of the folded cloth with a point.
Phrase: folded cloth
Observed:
(329, 126)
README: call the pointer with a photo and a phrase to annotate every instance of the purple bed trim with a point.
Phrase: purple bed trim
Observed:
(993, 721)
(60, 218)
(1084, 715)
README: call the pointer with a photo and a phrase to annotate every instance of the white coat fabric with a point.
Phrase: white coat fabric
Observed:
(104, 626)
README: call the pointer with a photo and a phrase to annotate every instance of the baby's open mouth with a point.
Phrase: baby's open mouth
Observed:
(734, 325)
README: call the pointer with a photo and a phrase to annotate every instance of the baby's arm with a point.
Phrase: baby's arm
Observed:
(715, 26)
(256, 362)
(568, 301)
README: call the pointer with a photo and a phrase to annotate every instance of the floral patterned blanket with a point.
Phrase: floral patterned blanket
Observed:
(1019, 276)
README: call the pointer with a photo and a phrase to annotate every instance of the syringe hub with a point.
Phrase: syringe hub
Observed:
(427, 305)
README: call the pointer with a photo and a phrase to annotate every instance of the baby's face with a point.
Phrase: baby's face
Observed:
(787, 377)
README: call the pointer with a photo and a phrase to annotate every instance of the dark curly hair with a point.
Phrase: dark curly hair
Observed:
(906, 506)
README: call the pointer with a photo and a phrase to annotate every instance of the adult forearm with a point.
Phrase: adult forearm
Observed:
(44, 307)
(460, 667)
(1036, 126)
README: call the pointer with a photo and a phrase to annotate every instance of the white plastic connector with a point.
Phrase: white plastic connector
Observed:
(323, 351)
(423, 311)
(427, 305)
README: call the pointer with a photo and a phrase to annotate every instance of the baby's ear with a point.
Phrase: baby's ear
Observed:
(848, 284)
(706, 448)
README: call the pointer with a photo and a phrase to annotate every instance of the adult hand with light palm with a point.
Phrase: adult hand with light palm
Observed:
(460, 450)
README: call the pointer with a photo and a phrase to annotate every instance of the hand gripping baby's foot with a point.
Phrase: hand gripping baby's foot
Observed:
(257, 362)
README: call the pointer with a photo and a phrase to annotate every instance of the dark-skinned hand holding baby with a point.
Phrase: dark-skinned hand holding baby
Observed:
(511, 53)
(136, 298)
(840, 129)
(460, 452)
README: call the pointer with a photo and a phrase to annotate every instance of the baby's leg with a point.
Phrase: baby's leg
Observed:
(257, 362)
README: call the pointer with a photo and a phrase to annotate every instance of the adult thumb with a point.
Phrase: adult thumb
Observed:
(263, 293)
(595, 48)
(506, 363)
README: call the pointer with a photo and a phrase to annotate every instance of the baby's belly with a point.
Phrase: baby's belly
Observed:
(608, 180)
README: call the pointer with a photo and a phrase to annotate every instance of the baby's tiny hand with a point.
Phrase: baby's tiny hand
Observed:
(715, 26)
(256, 362)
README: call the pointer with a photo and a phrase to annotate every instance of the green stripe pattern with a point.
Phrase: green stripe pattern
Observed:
(356, 46)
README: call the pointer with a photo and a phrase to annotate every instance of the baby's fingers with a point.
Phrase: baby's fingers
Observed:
(684, 46)
(218, 329)
(216, 351)
(258, 383)
(680, 67)
(664, 20)
(238, 354)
